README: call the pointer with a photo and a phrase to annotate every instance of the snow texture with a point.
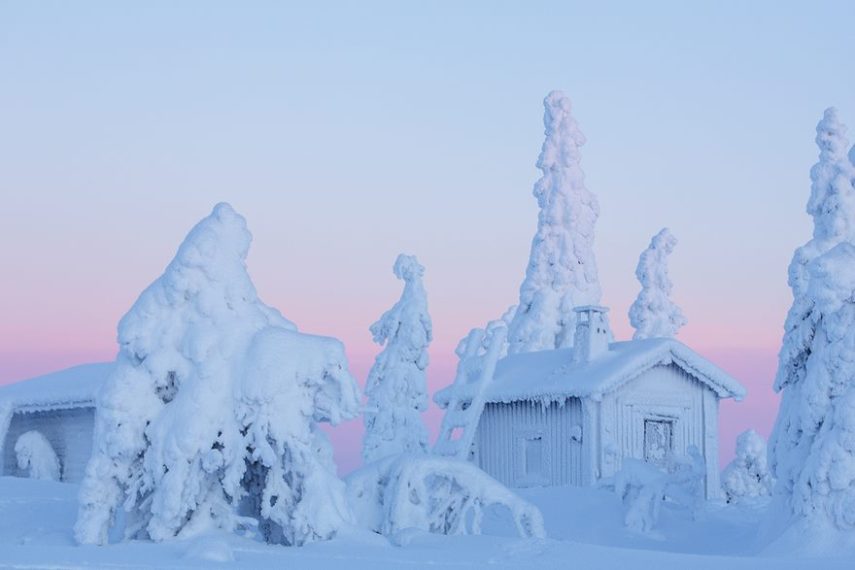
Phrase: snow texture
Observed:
(562, 270)
(747, 476)
(397, 385)
(553, 376)
(585, 527)
(643, 487)
(210, 417)
(653, 314)
(36, 457)
(433, 494)
(812, 451)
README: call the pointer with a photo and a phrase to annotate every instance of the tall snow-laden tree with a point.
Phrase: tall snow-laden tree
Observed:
(211, 415)
(562, 270)
(653, 314)
(815, 369)
(396, 385)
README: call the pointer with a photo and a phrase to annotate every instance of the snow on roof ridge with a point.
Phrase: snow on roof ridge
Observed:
(552, 375)
(68, 387)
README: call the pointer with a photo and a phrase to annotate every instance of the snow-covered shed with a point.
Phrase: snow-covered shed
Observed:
(569, 416)
(61, 407)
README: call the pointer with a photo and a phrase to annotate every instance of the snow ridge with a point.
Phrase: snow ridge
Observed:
(562, 269)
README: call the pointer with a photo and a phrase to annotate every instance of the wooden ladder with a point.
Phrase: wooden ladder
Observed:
(474, 373)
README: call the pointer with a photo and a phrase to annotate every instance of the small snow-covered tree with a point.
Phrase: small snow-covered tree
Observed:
(397, 385)
(36, 456)
(644, 486)
(562, 270)
(211, 415)
(809, 378)
(747, 476)
(653, 314)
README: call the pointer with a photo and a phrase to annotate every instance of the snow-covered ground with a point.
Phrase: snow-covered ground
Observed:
(585, 529)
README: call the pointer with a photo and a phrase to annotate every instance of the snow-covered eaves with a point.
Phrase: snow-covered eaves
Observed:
(551, 375)
(70, 388)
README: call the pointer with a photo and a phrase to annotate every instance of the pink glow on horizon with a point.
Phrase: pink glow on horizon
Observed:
(755, 368)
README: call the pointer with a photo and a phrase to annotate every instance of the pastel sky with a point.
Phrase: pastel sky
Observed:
(349, 132)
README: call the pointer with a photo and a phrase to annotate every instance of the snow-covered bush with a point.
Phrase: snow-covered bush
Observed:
(36, 457)
(653, 314)
(562, 270)
(643, 487)
(211, 415)
(747, 476)
(809, 457)
(433, 494)
(396, 385)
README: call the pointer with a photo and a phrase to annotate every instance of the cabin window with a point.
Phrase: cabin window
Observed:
(658, 441)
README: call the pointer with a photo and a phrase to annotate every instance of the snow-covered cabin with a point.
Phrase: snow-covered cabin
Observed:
(569, 416)
(61, 407)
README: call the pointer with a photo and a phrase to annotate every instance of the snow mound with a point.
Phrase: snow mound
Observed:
(433, 494)
(210, 417)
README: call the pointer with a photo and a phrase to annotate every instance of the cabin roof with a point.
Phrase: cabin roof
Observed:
(70, 388)
(551, 375)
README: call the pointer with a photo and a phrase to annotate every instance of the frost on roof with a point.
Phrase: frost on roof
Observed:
(75, 385)
(552, 374)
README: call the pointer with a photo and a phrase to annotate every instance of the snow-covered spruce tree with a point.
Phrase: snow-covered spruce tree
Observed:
(815, 363)
(562, 270)
(396, 385)
(824, 482)
(211, 415)
(653, 314)
(747, 476)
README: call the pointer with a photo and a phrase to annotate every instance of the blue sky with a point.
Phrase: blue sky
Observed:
(349, 132)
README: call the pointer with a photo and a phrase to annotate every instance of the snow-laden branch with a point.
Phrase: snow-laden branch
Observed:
(433, 494)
